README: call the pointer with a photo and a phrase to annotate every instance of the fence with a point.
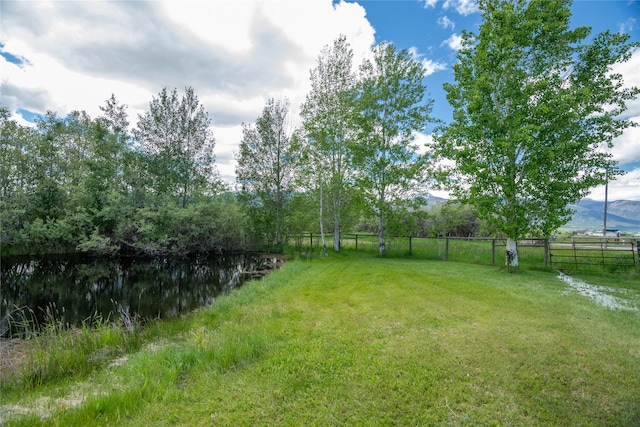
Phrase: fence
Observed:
(488, 251)
(609, 254)
(569, 254)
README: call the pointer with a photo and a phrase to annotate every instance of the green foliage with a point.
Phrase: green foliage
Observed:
(303, 214)
(98, 244)
(326, 163)
(209, 226)
(454, 219)
(390, 108)
(533, 105)
(82, 184)
(57, 352)
(176, 135)
(265, 170)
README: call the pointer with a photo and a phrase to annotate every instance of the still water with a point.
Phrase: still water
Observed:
(74, 289)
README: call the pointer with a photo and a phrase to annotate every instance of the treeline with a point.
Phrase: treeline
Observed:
(86, 184)
(354, 156)
(533, 106)
(99, 185)
(82, 184)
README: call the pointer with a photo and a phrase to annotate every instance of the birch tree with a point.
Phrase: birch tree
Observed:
(265, 168)
(535, 106)
(325, 115)
(391, 107)
(176, 133)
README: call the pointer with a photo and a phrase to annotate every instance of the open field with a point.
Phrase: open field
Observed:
(359, 340)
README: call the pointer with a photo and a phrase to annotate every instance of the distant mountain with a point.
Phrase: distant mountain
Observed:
(433, 200)
(622, 215)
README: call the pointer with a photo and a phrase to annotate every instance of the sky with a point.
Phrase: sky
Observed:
(236, 54)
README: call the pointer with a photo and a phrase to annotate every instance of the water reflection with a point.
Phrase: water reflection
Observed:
(77, 288)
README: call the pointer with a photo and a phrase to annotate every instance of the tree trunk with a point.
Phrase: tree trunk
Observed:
(383, 249)
(324, 241)
(547, 253)
(278, 224)
(337, 200)
(511, 261)
(336, 228)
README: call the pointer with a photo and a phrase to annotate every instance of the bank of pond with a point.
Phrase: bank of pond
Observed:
(75, 290)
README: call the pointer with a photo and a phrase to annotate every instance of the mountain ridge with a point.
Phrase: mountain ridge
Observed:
(622, 215)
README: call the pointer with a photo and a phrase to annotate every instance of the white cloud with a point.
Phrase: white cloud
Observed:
(215, 22)
(445, 22)
(631, 77)
(626, 147)
(428, 65)
(627, 26)
(21, 121)
(431, 67)
(422, 142)
(227, 141)
(454, 42)
(626, 187)
(463, 7)
(235, 54)
(430, 3)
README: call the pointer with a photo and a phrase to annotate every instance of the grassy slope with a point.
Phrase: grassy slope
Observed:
(355, 340)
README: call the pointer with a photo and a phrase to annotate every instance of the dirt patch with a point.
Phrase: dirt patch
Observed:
(43, 407)
(14, 354)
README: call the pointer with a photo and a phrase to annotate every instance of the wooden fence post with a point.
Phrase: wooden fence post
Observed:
(410, 245)
(493, 251)
(446, 251)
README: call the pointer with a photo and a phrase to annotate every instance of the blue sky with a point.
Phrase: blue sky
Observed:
(410, 24)
(72, 55)
(431, 29)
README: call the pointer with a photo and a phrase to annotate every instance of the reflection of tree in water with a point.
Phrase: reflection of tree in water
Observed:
(81, 288)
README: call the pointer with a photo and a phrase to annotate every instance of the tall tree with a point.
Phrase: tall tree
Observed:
(176, 133)
(116, 119)
(311, 177)
(533, 107)
(16, 181)
(324, 115)
(51, 171)
(265, 168)
(112, 132)
(391, 106)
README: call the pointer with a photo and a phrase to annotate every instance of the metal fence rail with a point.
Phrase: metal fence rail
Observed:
(610, 254)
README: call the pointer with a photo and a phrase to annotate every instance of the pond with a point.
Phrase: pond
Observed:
(70, 290)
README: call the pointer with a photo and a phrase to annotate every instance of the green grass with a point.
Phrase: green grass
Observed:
(53, 351)
(474, 250)
(359, 340)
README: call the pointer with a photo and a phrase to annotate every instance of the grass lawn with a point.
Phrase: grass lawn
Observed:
(359, 340)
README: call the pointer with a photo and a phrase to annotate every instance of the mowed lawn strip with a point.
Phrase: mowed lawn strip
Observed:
(357, 340)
